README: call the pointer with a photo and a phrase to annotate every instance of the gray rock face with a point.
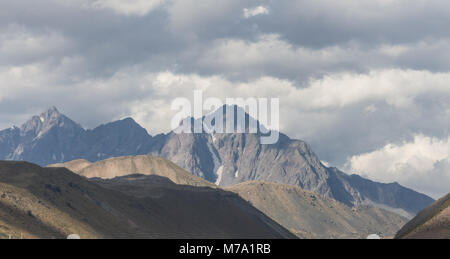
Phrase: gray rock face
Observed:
(224, 159)
(54, 138)
(120, 138)
(229, 159)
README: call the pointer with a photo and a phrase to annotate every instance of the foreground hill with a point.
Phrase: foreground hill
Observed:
(312, 216)
(74, 166)
(144, 164)
(224, 159)
(307, 214)
(40, 202)
(433, 222)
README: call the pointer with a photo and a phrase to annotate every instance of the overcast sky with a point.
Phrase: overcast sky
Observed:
(365, 82)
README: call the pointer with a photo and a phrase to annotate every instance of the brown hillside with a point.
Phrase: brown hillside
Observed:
(431, 223)
(146, 165)
(310, 215)
(40, 202)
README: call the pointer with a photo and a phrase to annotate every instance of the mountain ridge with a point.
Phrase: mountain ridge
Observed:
(54, 138)
(225, 159)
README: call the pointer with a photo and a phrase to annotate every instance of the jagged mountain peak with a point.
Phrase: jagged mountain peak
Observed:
(51, 114)
(52, 137)
(40, 124)
(243, 122)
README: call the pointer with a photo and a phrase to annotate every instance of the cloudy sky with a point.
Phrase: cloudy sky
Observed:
(365, 82)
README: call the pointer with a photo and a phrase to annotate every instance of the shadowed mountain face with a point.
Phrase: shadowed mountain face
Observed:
(431, 223)
(224, 159)
(53, 202)
(48, 137)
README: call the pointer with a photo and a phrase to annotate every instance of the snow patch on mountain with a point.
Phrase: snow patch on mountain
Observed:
(219, 175)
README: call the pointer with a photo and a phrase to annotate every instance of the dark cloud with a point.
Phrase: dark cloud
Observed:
(326, 23)
(177, 34)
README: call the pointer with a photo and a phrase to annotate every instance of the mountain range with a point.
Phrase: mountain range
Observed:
(224, 159)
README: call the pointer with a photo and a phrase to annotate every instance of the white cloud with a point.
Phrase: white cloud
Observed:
(167, 86)
(423, 164)
(128, 7)
(396, 87)
(268, 49)
(20, 80)
(371, 109)
(321, 103)
(135, 92)
(394, 50)
(258, 10)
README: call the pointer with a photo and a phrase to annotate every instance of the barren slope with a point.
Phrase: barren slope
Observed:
(306, 213)
(145, 164)
(310, 215)
(53, 202)
(74, 166)
(433, 222)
